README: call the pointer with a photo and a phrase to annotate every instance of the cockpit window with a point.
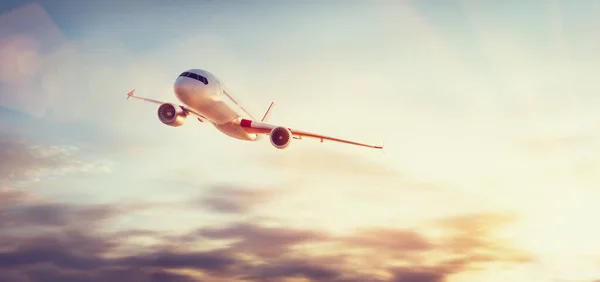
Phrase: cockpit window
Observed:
(195, 76)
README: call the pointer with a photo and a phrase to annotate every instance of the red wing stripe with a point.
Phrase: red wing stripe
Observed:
(246, 123)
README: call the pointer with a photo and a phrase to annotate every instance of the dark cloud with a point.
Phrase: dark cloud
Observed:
(234, 199)
(37, 213)
(78, 248)
(288, 269)
(262, 241)
(52, 274)
(393, 239)
(418, 275)
(66, 253)
(214, 261)
(55, 254)
(53, 214)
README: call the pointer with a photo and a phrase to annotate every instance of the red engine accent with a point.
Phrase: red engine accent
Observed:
(246, 123)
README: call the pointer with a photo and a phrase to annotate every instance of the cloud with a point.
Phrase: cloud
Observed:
(463, 243)
(286, 269)
(228, 198)
(390, 238)
(26, 161)
(23, 211)
(78, 242)
(52, 214)
(418, 275)
(254, 252)
(21, 160)
(50, 274)
(262, 241)
(213, 261)
(100, 141)
(467, 242)
(474, 236)
(11, 195)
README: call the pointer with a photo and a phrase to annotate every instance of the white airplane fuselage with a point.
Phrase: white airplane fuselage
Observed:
(213, 101)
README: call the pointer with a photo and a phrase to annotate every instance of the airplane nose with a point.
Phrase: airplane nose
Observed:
(179, 86)
(182, 89)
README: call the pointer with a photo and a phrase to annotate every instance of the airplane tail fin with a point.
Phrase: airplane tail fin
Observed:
(268, 113)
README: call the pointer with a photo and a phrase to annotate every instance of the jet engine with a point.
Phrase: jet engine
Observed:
(280, 137)
(170, 114)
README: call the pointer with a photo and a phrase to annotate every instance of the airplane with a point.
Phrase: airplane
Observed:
(208, 100)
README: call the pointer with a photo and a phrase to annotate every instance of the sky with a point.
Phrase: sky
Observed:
(491, 170)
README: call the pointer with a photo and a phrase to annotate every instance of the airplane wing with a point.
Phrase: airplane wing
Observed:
(265, 128)
(184, 108)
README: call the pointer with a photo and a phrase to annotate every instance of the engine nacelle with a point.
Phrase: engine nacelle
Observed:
(280, 137)
(170, 114)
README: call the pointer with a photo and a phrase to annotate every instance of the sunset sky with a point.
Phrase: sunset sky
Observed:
(488, 111)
